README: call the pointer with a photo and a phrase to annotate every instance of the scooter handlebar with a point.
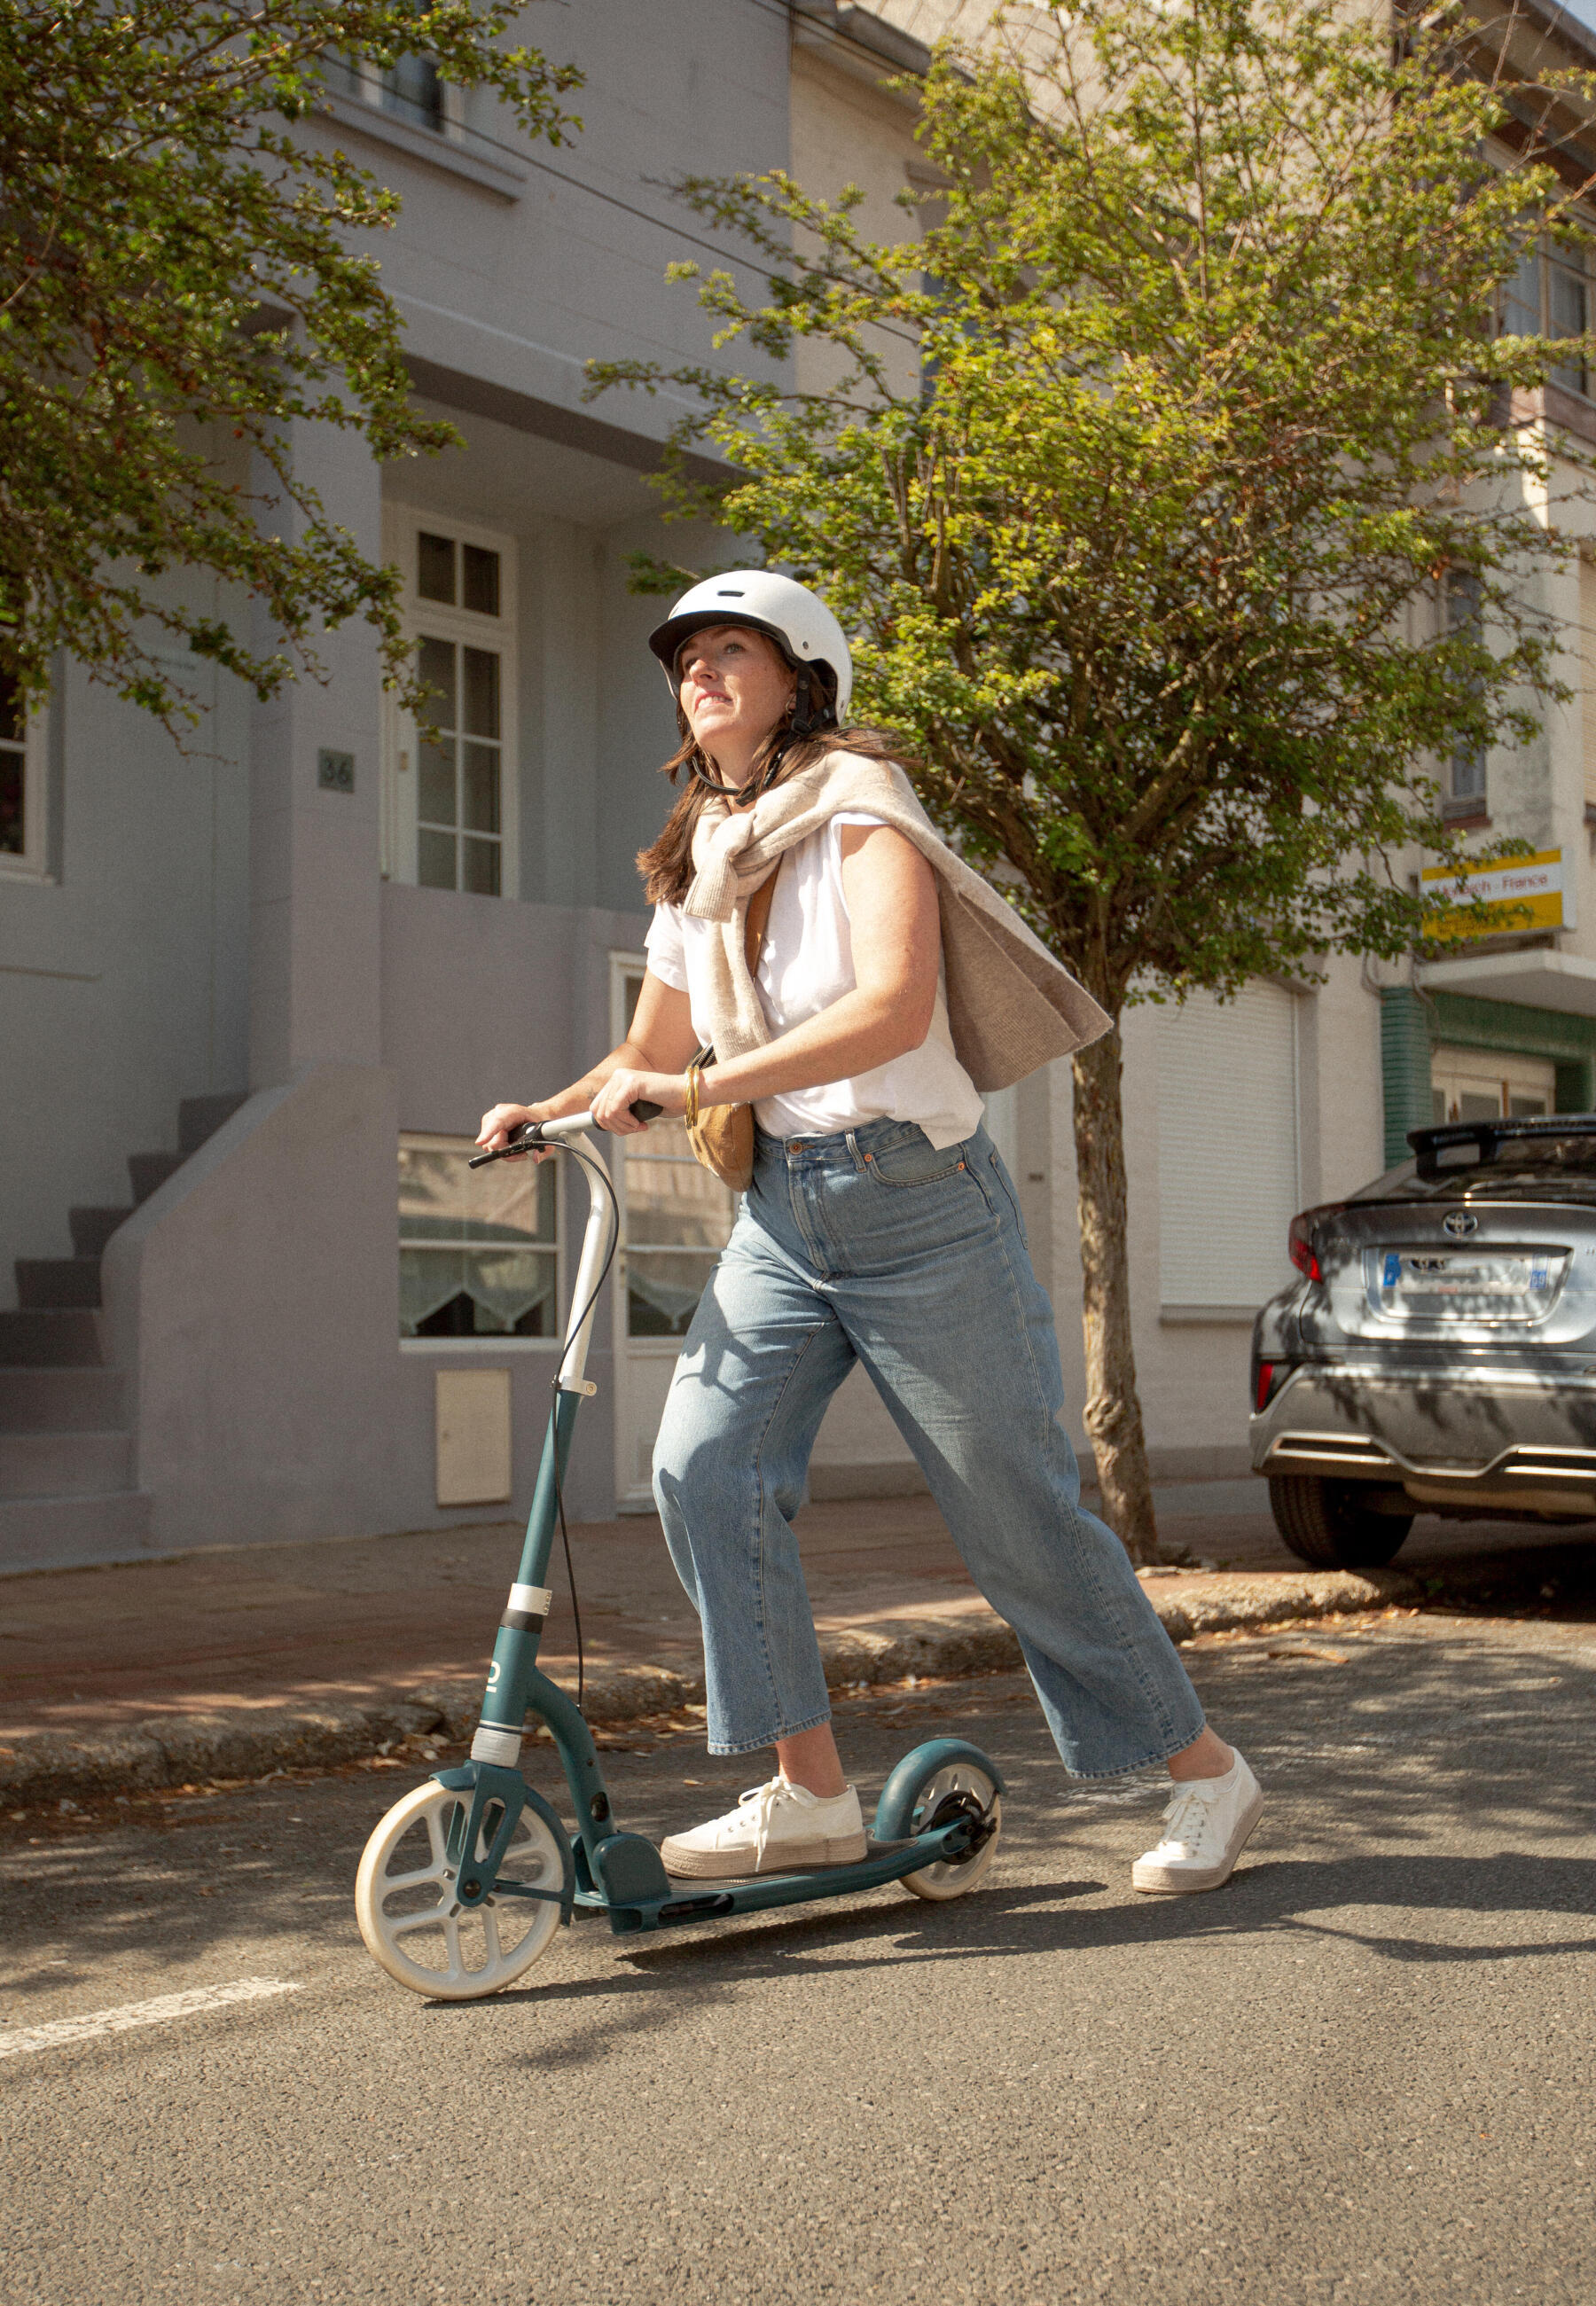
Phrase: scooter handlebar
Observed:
(551, 1132)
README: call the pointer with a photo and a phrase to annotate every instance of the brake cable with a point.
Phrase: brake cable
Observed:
(595, 1171)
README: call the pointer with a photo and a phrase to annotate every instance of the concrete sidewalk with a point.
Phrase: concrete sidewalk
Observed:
(235, 1661)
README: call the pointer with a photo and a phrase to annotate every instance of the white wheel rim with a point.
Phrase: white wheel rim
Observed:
(412, 1921)
(945, 1878)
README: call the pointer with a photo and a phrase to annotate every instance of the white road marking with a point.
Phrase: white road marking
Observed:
(127, 2014)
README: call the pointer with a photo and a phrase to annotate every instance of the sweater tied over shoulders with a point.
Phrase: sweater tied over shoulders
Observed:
(1012, 1006)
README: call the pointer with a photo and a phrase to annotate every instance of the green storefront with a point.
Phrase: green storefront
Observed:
(1447, 1055)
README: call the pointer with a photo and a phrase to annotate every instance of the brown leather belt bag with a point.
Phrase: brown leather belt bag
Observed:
(723, 1136)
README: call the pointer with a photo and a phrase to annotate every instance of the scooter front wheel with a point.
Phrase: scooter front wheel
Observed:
(935, 1800)
(415, 1926)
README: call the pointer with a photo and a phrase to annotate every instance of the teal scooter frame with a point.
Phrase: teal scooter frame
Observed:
(466, 1881)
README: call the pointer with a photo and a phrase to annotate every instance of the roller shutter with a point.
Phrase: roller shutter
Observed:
(1227, 1148)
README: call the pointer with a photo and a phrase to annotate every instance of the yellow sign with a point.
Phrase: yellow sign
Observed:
(1525, 893)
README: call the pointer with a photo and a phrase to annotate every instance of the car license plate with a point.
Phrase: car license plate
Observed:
(1435, 1286)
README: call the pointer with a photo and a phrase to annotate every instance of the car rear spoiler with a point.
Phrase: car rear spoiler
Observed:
(1475, 1144)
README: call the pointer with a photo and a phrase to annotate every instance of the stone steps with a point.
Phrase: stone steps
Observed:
(74, 1533)
(62, 1400)
(151, 1171)
(199, 1117)
(91, 1229)
(67, 1460)
(65, 1465)
(53, 1283)
(49, 1338)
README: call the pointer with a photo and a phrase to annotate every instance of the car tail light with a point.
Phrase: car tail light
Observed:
(1299, 1238)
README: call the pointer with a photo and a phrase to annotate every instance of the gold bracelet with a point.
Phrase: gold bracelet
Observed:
(691, 1115)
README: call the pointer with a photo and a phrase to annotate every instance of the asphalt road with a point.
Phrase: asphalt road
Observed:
(1362, 2072)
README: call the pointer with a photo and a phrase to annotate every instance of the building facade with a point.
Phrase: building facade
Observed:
(256, 996)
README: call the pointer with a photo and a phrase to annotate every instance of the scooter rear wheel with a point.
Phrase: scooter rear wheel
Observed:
(412, 1922)
(951, 1877)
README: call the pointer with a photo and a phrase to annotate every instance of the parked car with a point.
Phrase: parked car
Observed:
(1439, 1350)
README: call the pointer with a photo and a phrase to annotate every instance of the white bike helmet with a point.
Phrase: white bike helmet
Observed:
(798, 621)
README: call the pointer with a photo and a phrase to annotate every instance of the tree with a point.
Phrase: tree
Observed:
(178, 268)
(1142, 473)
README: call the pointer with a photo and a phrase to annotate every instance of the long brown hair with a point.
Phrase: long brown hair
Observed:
(666, 864)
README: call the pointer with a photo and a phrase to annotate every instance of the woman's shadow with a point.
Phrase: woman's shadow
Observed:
(1369, 1901)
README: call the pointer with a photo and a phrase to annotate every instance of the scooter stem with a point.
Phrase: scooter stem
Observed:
(520, 1629)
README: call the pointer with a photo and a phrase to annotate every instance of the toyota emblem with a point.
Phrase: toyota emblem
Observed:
(1460, 1224)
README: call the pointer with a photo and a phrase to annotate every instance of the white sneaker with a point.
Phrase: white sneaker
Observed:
(1206, 1826)
(773, 1829)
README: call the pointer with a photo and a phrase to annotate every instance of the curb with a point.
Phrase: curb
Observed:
(53, 1766)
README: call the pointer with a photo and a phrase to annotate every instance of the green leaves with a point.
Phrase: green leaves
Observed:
(179, 283)
(1140, 473)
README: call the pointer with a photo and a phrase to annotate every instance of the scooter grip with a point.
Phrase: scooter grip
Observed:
(521, 1140)
(646, 1110)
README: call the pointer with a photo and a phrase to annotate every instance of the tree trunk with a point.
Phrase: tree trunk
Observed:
(1112, 1410)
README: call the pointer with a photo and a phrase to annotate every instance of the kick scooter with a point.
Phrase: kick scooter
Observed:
(466, 1879)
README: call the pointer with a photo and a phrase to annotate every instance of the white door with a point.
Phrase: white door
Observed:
(675, 1220)
(1002, 1126)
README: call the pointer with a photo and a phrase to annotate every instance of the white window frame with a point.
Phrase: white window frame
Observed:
(401, 525)
(31, 862)
(1461, 612)
(623, 965)
(1576, 262)
(503, 1343)
(367, 89)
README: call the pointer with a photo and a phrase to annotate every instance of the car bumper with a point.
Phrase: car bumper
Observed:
(1484, 1441)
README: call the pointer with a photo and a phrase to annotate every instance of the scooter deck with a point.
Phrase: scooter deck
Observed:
(693, 1900)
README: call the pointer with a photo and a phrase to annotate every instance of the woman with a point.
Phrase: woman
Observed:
(879, 1226)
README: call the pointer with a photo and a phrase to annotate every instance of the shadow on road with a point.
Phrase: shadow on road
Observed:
(1292, 1895)
(1419, 1787)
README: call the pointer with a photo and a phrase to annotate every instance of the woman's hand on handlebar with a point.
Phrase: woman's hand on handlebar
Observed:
(503, 1120)
(612, 1106)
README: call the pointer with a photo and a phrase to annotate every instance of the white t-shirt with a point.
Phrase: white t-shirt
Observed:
(807, 963)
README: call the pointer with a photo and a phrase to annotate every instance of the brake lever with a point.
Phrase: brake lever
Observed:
(522, 1140)
(531, 1133)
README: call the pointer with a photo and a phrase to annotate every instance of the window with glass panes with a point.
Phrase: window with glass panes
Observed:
(677, 1217)
(14, 770)
(1488, 1085)
(453, 789)
(478, 1248)
(21, 784)
(1466, 788)
(1550, 295)
(459, 825)
(411, 90)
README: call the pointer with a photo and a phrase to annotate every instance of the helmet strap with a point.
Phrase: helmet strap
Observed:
(812, 713)
(813, 705)
(743, 793)
(700, 776)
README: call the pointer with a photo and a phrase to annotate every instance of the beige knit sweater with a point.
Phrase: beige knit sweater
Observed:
(1011, 1005)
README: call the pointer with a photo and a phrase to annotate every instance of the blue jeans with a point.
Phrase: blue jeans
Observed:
(874, 1246)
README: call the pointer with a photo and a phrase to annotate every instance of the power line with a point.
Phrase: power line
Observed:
(780, 8)
(646, 216)
(726, 255)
